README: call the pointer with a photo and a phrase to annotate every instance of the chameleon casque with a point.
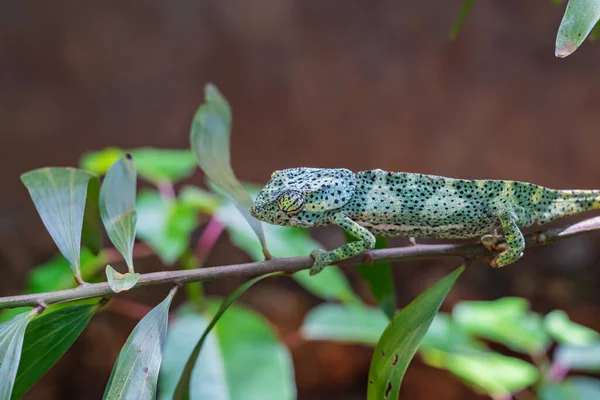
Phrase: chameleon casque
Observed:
(380, 203)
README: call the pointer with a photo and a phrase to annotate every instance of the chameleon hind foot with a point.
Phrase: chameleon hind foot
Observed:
(321, 261)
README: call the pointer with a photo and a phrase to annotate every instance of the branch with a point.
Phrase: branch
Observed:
(290, 265)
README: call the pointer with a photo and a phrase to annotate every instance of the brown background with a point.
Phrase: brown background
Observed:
(356, 84)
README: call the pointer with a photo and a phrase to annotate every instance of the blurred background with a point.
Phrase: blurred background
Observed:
(351, 84)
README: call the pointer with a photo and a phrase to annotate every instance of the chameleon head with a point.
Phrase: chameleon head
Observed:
(303, 197)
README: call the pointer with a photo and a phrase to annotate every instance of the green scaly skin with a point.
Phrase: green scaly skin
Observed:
(380, 203)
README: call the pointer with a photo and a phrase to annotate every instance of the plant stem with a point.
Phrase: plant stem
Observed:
(295, 264)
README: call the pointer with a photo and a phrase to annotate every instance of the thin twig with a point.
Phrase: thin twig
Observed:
(294, 264)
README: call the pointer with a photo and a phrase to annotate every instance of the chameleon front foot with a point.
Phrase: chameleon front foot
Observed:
(322, 259)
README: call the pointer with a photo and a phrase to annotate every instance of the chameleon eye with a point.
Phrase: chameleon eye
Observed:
(290, 202)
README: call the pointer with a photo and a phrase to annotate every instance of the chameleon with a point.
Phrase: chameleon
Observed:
(374, 203)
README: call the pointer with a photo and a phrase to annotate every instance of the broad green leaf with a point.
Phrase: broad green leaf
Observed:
(580, 18)
(564, 331)
(580, 358)
(165, 224)
(497, 375)
(200, 199)
(209, 140)
(462, 16)
(117, 206)
(47, 338)
(120, 282)
(55, 275)
(330, 284)
(11, 343)
(342, 323)
(446, 335)
(242, 358)
(381, 281)
(402, 337)
(573, 388)
(59, 195)
(507, 321)
(92, 234)
(153, 165)
(135, 372)
(183, 386)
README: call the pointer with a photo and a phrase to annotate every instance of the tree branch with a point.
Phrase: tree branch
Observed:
(294, 264)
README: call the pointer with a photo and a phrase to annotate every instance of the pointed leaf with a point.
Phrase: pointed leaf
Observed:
(120, 282)
(381, 281)
(402, 337)
(183, 387)
(462, 16)
(59, 195)
(135, 372)
(564, 331)
(11, 343)
(117, 206)
(209, 139)
(47, 338)
(241, 359)
(580, 18)
(573, 388)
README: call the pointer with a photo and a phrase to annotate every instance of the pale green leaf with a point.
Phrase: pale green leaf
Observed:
(572, 388)
(117, 206)
(580, 18)
(580, 358)
(120, 282)
(135, 372)
(59, 195)
(200, 199)
(564, 331)
(402, 337)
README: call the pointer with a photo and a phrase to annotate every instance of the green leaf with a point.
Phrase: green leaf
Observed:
(462, 16)
(199, 199)
(573, 388)
(153, 165)
(59, 195)
(120, 282)
(564, 331)
(402, 337)
(165, 224)
(11, 343)
(580, 18)
(241, 359)
(341, 323)
(117, 206)
(135, 372)
(507, 321)
(92, 234)
(446, 335)
(330, 284)
(183, 387)
(381, 281)
(580, 358)
(47, 338)
(209, 139)
(55, 275)
(496, 375)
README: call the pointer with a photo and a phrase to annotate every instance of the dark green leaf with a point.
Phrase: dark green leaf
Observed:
(117, 206)
(165, 224)
(135, 372)
(183, 387)
(402, 337)
(11, 343)
(494, 374)
(507, 321)
(564, 331)
(209, 139)
(241, 359)
(92, 234)
(580, 18)
(47, 338)
(341, 323)
(59, 195)
(120, 282)
(462, 16)
(381, 282)
(573, 388)
(580, 358)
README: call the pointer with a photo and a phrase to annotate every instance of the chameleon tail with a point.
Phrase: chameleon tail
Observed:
(555, 204)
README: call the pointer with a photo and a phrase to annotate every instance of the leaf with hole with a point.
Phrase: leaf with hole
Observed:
(209, 140)
(135, 372)
(402, 337)
(59, 195)
(11, 343)
(580, 18)
(47, 338)
(117, 206)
